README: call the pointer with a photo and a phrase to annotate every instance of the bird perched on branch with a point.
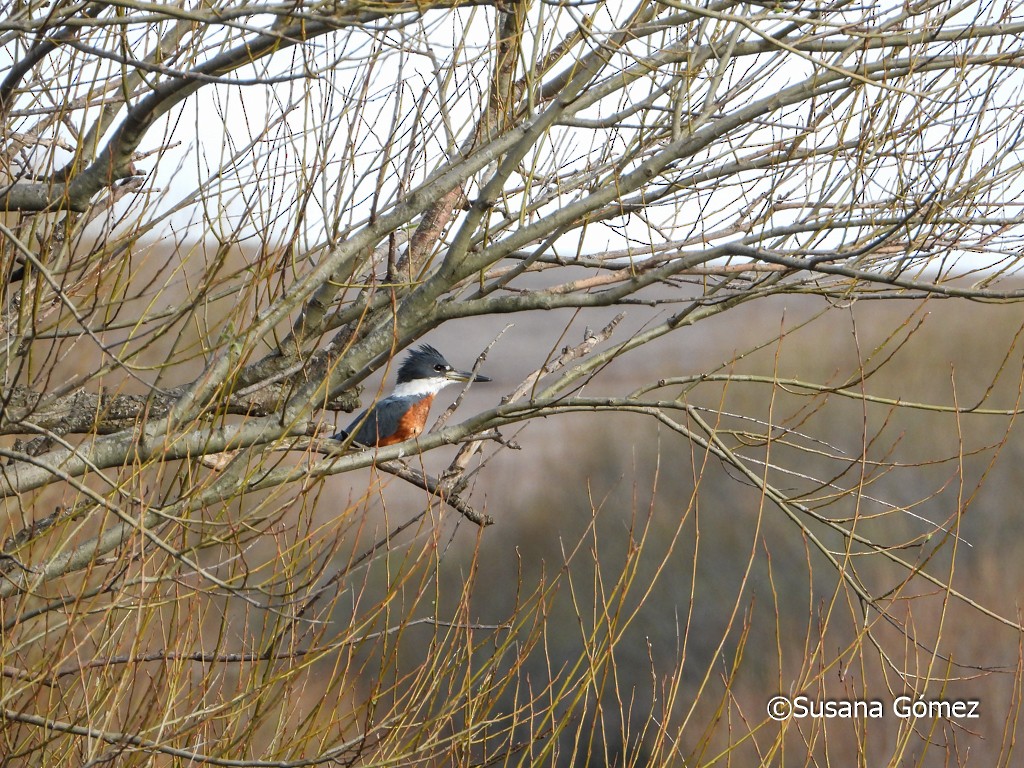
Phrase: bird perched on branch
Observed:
(403, 413)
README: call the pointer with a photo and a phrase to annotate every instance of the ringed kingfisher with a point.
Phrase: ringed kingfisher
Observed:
(403, 413)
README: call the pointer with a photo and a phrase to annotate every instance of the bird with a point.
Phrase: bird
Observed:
(403, 414)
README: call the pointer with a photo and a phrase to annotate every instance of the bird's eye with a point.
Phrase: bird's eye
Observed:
(440, 367)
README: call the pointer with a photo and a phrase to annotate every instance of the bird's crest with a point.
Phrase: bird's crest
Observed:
(421, 363)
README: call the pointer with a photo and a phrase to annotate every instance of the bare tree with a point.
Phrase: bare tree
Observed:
(221, 219)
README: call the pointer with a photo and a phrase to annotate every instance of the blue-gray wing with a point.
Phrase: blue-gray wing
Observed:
(381, 423)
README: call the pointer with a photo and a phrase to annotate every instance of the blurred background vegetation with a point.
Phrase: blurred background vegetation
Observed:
(636, 601)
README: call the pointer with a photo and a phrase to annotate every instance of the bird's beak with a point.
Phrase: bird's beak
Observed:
(466, 376)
